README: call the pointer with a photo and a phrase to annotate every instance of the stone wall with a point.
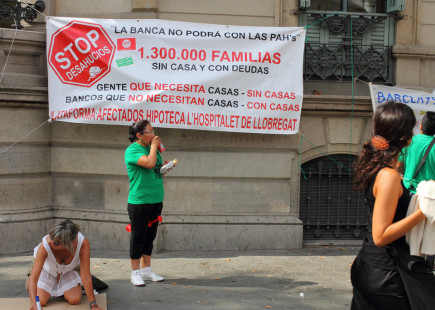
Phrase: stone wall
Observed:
(225, 192)
(240, 12)
(25, 197)
(415, 46)
(230, 191)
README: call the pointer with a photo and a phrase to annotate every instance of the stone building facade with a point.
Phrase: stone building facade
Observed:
(231, 191)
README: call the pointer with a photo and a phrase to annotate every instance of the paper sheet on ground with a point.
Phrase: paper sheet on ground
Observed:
(54, 304)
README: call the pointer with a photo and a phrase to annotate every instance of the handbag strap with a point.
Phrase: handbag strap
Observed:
(423, 160)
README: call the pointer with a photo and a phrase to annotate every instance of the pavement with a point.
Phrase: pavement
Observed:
(309, 278)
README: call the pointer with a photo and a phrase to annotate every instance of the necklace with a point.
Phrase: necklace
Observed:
(59, 274)
(61, 264)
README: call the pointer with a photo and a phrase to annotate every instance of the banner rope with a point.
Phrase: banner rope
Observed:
(358, 80)
(326, 155)
(13, 40)
(300, 155)
(1, 79)
(33, 8)
(3, 151)
(353, 87)
(352, 110)
(307, 26)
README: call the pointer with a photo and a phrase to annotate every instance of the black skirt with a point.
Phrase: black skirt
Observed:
(376, 281)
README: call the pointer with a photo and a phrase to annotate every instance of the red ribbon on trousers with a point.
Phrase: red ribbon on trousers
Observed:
(158, 219)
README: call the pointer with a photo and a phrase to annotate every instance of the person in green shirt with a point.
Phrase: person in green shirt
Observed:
(411, 156)
(145, 199)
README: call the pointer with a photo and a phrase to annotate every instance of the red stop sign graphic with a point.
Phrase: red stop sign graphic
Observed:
(81, 53)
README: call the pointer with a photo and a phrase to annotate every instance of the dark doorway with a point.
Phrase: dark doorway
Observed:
(329, 208)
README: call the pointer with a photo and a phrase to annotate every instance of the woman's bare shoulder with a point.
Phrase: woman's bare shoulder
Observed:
(388, 173)
(388, 178)
(85, 248)
(42, 252)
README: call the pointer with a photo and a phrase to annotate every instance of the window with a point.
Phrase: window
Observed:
(329, 208)
(363, 6)
(356, 6)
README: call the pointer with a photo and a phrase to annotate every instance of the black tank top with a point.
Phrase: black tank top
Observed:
(372, 253)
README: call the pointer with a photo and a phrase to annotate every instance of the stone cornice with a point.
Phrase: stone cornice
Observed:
(22, 36)
(23, 96)
(334, 105)
(412, 51)
(226, 219)
(26, 215)
(312, 104)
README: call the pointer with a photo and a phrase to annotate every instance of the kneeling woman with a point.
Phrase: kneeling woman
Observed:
(53, 274)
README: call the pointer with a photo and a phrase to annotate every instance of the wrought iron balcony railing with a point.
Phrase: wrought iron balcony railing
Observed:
(344, 45)
(337, 61)
(18, 11)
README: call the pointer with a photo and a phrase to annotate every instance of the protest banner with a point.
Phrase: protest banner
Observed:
(419, 101)
(175, 74)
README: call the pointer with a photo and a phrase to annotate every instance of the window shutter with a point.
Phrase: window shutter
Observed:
(304, 4)
(395, 5)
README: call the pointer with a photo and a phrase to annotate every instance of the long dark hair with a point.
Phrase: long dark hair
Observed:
(394, 122)
(137, 127)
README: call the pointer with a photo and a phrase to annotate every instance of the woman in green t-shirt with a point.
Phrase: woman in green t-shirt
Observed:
(145, 199)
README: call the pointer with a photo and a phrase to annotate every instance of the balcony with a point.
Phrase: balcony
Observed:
(335, 41)
(372, 63)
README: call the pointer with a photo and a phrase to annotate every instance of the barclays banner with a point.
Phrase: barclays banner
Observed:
(419, 101)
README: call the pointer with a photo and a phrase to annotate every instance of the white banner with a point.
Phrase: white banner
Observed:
(175, 74)
(419, 101)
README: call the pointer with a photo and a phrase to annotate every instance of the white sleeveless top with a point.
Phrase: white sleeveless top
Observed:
(68, 278)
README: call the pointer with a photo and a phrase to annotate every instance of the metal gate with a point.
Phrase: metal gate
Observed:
(329, 208)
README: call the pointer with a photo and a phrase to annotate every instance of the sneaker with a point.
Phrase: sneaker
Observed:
(148, 275)
(136, 278)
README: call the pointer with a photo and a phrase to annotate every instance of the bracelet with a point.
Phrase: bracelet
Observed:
(93, 305)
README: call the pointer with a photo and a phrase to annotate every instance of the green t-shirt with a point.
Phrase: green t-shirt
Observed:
(146, 185)
(411, 157)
